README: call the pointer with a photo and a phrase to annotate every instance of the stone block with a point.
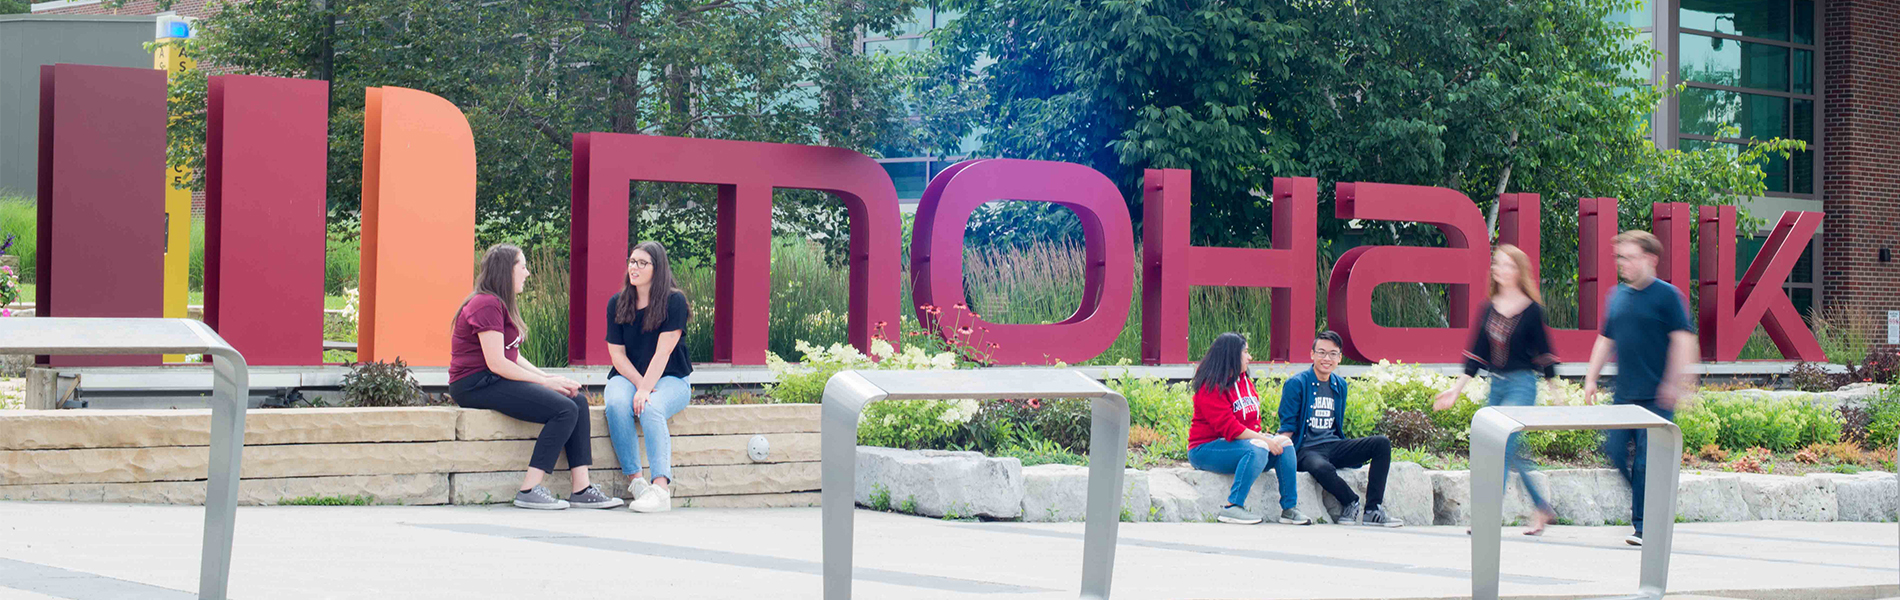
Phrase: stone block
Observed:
(1410, 495)
(1784, 498)
(1060, 493)
(188, 463)
(1572, 494)
(1866, 497)
(1451, 498)
(1707, 497)
(1171, 500)
(477, 425)
(939, 483)
(419, 489)
(1263, 497)
(60, 429)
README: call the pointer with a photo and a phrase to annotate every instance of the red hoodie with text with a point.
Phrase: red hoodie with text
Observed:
(1224, 412)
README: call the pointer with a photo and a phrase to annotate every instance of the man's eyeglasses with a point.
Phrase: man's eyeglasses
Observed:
(1334, 354)
(639, 264)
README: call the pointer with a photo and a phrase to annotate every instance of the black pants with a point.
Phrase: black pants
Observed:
(565, 417)
(1325, 461)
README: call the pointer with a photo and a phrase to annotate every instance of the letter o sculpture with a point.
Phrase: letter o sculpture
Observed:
(1109, 282)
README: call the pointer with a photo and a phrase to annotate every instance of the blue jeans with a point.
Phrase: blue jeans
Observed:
(669, 397)
(1246, 462)
(1518, 388)
(1616, 445)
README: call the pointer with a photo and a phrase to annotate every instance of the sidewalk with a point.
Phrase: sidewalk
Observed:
(100, 552)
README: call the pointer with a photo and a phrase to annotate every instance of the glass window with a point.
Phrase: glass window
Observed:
(909, 178)
(1802, 121)
(1803, 271)
(1642, 68)
(1706, 111)
(1803, 299)
(1635, 16)
(1736, 64)
(1766, 19)
(1801, 178)
(1803, 22)
(1775, 173)
(1802, 72)
(897, 46)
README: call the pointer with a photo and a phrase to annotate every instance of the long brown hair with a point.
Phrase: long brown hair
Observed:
(1526, 279)
(497, 278)
(660, 291)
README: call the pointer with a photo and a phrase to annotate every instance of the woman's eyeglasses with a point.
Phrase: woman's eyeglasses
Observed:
(639, 264)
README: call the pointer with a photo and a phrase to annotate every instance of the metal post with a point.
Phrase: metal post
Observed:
(1492, 427)
(847, 393)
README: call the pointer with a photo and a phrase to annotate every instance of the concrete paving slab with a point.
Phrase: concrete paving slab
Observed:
(137, 551)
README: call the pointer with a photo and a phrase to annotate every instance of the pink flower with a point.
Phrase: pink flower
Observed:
(6, 312)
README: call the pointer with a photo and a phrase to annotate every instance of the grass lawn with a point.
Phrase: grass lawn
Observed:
(195, 297)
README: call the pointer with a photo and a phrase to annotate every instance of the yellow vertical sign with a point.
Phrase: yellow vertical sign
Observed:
(172, 59)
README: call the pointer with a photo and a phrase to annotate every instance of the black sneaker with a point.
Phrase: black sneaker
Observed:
(1635, 539)
(1350, 514)
(539, 498)
(591, 497)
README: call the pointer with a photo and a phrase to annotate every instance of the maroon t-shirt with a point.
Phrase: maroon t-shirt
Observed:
(483, 312)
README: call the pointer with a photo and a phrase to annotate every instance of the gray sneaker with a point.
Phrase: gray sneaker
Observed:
(1238, 516)
(593, 498)
(1377, 518)
(1350, 514)
(539, 498)
(1293, 516)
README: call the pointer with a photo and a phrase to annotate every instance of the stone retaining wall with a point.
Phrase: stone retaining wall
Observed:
(395, 455)
(969, 484)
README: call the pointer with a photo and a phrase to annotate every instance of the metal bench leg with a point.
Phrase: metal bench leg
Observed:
(1108, 454)
(844, 399)
(230, 398)
(1489, 432)
(1659, 510)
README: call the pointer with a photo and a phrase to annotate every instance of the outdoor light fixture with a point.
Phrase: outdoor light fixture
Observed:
(174, 27)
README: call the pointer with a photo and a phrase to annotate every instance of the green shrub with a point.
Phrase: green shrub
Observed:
(1748, 421)
(543, 307)
(19, 217)
(1043, 452)
(1883, 423)
(915, 424)
(1168, 409)
(196, 273)
(343, 257)
(1699, 427)
(382, 384)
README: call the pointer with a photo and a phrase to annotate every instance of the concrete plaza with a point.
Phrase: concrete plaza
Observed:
(115, 551)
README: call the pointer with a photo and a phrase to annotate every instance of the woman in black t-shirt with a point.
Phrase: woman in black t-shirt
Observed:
(650, 379)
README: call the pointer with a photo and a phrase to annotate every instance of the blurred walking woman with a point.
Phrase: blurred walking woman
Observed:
(650, 379)
(486, 370)
(1512, 342)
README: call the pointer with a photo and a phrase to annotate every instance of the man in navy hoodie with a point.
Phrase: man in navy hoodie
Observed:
(1312, 411)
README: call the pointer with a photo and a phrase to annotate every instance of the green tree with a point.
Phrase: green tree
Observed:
(1480, 96)
(530, 73)
(14, 7)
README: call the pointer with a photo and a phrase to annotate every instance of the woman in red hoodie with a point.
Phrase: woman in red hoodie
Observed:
(1226, 438)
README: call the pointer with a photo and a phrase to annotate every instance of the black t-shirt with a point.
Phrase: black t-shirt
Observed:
(1320, 428)
(1640, 321)
(641, 344)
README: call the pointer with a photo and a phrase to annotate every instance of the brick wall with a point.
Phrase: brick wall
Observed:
(1861, 162)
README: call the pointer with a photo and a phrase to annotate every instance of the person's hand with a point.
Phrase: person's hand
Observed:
(558, 384)
(572, 386)
(1590, 392)
(1671, 391)
(1445, 399)
(640, 401)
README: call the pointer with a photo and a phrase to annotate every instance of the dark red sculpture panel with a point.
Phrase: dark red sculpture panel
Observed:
(1170, 266)
(266, 143)
(746, 173)
(1520, 224)
(102, 180)
(936, 255)
(1463, 264)
(1730, 310)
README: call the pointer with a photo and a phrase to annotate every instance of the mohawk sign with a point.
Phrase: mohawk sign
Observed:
(102, 161)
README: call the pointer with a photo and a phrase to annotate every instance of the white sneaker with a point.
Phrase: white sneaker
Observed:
(653, 499)
(635, 486)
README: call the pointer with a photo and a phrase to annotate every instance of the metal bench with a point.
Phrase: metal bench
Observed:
(847, 393)
(1492, 426)
(230, 388)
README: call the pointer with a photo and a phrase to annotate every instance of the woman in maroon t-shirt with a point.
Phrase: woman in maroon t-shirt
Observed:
(486, 370)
